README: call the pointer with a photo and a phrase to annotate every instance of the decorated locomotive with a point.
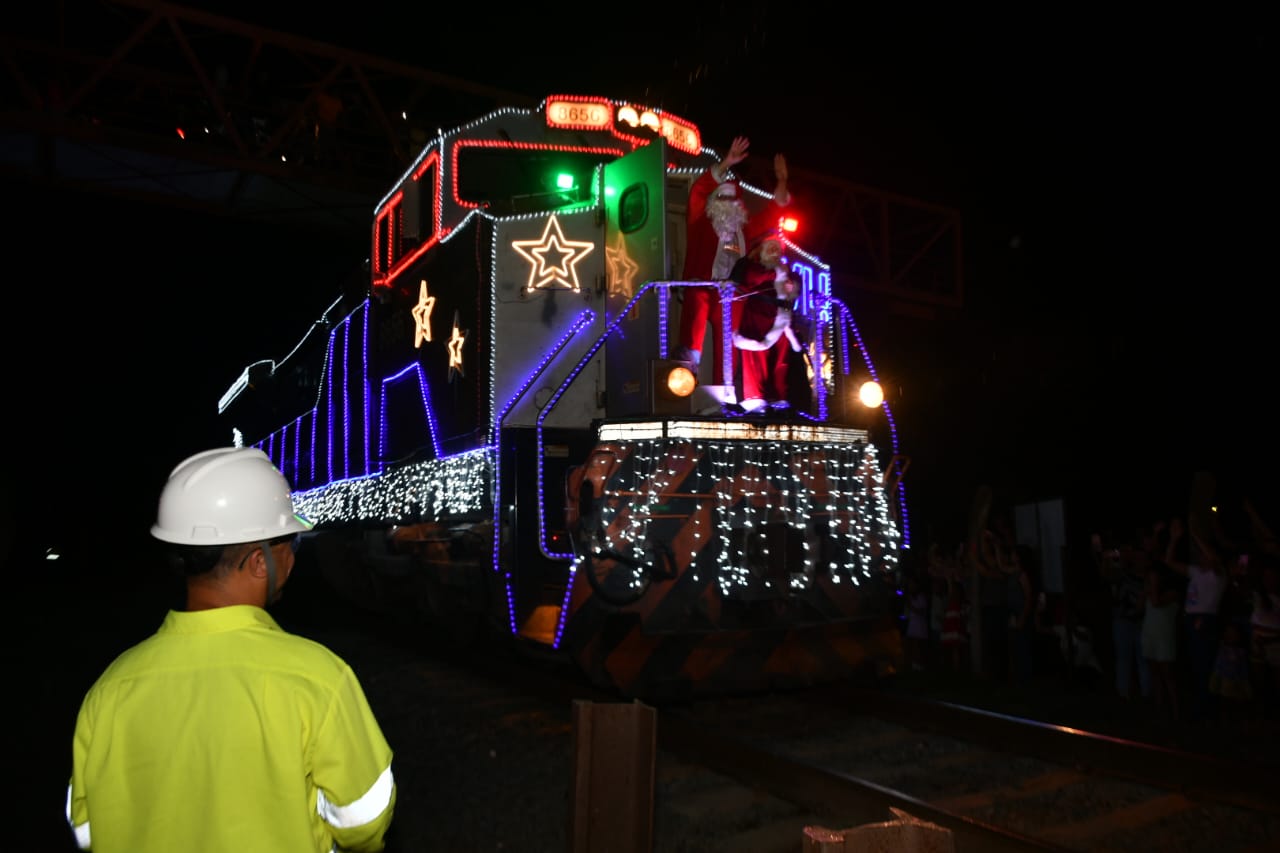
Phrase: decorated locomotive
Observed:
(487, 438)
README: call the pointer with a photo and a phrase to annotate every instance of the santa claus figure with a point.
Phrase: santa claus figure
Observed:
(716, 218)
(727, 215)
(763, 338)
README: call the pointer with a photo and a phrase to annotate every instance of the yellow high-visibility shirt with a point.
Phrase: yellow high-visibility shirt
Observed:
(223, 732)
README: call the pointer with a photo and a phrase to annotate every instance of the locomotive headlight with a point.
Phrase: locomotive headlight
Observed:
(870, 394)
(680, 381)
(671, 387)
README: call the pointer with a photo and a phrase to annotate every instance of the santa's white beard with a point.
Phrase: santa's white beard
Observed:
(726, 215)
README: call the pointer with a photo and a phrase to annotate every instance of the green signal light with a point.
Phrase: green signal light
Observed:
(564, 181)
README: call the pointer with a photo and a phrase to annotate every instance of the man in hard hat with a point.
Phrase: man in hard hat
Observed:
(221, 731)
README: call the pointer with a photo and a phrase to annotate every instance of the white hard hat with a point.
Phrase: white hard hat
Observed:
(226, 496)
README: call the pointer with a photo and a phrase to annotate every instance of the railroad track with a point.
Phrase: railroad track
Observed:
(483, 757)
(997, 782)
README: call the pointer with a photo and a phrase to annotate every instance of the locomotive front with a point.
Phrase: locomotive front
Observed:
(497, 410)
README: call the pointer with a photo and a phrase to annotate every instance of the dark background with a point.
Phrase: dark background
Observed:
(1117, 188)
(1113, 176)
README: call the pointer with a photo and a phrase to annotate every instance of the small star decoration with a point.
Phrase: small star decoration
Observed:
(422, 316)
(456, 340)
(622, 270)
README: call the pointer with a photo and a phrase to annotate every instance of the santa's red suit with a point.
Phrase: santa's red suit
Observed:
(762, 336)
(709, 256)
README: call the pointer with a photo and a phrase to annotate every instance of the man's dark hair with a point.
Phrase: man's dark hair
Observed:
(191, 560)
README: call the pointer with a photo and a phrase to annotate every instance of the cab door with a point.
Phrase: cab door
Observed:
(636, 254)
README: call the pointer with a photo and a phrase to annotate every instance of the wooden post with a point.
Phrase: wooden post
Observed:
(614, 749)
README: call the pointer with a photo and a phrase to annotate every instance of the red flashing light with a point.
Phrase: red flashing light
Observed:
(182, 134)
(789, 224)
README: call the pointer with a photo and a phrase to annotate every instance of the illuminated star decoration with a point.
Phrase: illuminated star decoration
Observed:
(622, 270)
(622, 273)
(456, 340)
(422, 316)
(554, 259)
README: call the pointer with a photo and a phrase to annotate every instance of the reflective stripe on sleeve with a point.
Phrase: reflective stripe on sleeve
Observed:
(373, 803)
(81, 831)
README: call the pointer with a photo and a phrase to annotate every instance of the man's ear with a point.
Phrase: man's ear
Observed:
(255, 563)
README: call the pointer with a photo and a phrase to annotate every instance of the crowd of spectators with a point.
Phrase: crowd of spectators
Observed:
(1180, 614)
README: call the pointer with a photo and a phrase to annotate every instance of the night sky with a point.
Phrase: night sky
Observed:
(1111, 177)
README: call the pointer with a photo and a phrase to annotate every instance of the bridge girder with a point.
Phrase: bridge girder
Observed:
(175, 106)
